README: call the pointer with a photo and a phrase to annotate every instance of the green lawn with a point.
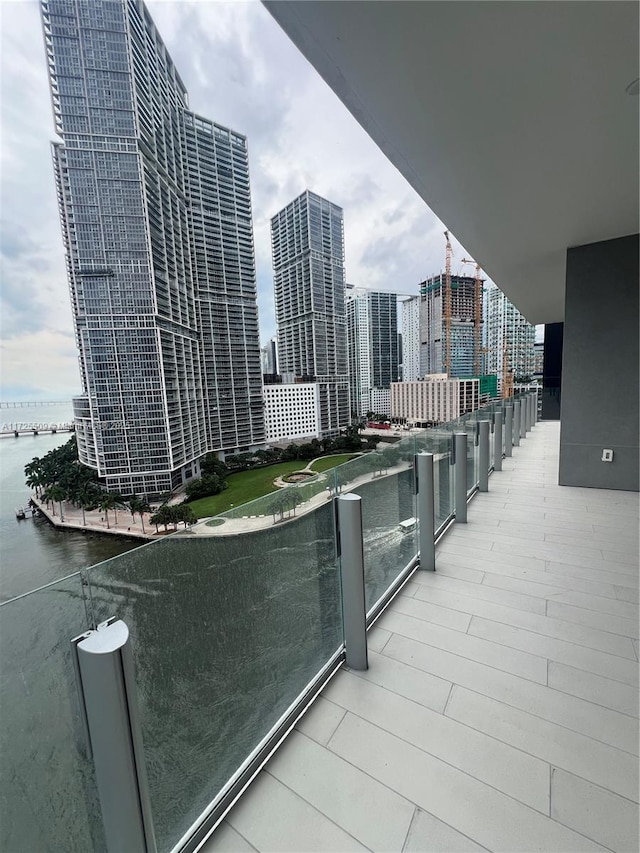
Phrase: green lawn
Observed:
(245, 486)
(327, 462)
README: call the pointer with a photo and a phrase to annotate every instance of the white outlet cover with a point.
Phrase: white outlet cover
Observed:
(607, 455)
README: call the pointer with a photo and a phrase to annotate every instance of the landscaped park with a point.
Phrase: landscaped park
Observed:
(248, 485)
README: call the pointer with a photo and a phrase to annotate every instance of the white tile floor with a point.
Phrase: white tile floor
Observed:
(500, 709)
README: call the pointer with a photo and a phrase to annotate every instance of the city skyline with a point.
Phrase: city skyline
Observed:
(299, 136)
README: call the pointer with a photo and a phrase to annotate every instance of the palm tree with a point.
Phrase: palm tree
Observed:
(185, 514)
(57, 493)
(143, 506)
(139, 506)
(118, 503)
(86, 498)
(106, 502)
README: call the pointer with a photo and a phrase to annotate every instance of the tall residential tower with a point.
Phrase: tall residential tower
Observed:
(372, 335)
(156, 220)
(307, 240)
(507, 335)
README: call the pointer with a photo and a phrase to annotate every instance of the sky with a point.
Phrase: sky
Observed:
(241, 71)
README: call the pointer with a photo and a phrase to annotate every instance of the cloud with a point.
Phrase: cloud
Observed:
(23, 357)
(243, 72)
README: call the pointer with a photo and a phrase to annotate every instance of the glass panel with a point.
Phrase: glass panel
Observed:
(384, 481)
(389, 529)
(472, 457)
(438, 441)
(48, 793)
(228, 627)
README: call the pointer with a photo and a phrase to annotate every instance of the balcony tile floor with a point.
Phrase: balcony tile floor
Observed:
(500, 709)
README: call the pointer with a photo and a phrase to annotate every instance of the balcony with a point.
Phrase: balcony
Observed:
(500, 707)
(498, 711)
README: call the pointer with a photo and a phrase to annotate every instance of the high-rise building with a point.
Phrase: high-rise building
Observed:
(155, 209)
(307, 239)
(460, 326)
(410, 339)
(506, 331)
(269, 354)
(372, 343)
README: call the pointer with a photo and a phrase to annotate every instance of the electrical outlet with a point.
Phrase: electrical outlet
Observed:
(607, 455)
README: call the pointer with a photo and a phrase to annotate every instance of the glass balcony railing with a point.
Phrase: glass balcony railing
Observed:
(234, 625)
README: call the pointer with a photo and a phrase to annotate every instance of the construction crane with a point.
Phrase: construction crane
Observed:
(477, 318)
(446, 305)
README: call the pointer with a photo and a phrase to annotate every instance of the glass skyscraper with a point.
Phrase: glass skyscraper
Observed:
(507, 333)
(307, 240)
(372, 336)
(155, 209)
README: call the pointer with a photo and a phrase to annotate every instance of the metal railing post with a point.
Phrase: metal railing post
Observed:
(528, 419)
(497, 440)
(351, 554)
(483, 456)
(460, 475)
(108, 702)
(508, 430)
(426, 510)
(516, 423)
(523, 418)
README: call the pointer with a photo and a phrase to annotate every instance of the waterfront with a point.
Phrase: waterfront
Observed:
(33, 552)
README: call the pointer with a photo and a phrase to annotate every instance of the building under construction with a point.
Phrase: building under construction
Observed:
(451, 325)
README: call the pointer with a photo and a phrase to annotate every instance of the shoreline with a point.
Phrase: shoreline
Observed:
(131, 529)
(73, 521)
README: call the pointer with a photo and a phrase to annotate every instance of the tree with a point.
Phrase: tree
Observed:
(106, 502)
(87, 498)
(57, 493)
(210, 464)
(139, 506)
(185, 514)
(164, 516)
(294, 499)
(209, 484)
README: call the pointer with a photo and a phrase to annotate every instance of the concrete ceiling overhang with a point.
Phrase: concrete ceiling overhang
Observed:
(510, 119)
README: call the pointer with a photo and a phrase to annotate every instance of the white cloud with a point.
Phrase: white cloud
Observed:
(242, 71)
(40, 365)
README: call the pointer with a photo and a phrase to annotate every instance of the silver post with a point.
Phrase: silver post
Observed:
(108, 698)
(508, 430)
(516, 423)
(351, 554)
(426, 510)
(483, 456)
(497, 441)
(460, 475)
(529, 422)
(535, 406)
(523, 418)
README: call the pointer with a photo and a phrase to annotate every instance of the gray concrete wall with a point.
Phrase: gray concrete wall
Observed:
(600, 375)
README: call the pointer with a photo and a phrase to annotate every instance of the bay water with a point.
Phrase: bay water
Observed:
(32, 551)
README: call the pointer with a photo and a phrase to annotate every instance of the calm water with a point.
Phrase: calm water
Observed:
(33, 552)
